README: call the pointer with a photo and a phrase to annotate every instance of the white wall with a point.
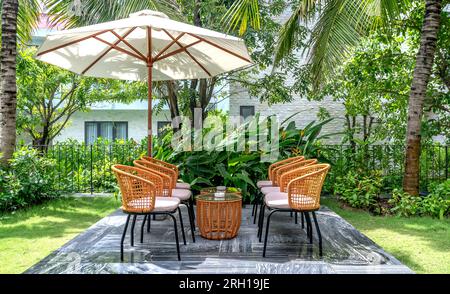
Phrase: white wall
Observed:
(137, 122)
(308, 110)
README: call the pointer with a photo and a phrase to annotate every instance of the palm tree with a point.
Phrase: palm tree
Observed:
(19, 17)
(422, 72)
(8, 79)
(339, 27)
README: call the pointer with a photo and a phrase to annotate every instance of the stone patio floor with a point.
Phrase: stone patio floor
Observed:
(345, 250)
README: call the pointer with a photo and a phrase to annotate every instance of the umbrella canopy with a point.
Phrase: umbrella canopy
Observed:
(147, 46)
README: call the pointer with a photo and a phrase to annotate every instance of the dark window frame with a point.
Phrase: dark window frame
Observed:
(97, 123)
(158, 128)
(242, 107)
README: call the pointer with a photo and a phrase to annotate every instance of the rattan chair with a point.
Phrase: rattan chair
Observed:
(264, 183)
(178, 185)
(139, 189)
(168, 190)
(286, 171)
(302, 195)
(268, 183)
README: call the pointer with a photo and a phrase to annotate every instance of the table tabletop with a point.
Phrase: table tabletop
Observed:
(211, 197)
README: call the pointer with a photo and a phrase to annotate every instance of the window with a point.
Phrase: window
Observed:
(247, 111)
(105, 129)
(162, 128)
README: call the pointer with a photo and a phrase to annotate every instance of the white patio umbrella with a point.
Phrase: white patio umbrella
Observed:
(146, 46)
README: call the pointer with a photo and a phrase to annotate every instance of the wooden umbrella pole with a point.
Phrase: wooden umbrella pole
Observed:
(149, 144)
(149, 82)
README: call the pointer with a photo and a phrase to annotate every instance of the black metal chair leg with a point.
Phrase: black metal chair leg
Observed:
(176, 234)
(253, 206)
(296, 217)
(309, 227)
(142, 228)
(149, 221)
(303, 220)
(123, 237)
(192, 210)
(182, 226)
(267, 231)
(292, 214)
(261, 221)
(132, 230)
(256, 207)
(318, 232)
(191, 222)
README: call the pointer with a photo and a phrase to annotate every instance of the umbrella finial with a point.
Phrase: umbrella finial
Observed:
(148, 12)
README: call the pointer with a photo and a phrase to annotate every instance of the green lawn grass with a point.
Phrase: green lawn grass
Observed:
(421, 243)
(27, 236)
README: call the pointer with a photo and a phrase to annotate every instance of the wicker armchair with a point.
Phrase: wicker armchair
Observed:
(282, 175)
(302, 195)
(178, 185)
(168, 190)
(269, 183)
(140, 189)
(264, 183)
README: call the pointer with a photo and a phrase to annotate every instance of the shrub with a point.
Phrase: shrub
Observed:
(29, 179)
(359, 190)
(404, 204)
(436, 204)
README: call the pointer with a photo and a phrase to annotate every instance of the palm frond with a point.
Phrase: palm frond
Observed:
(290, 33)
(241, 14)
(97, 11)
(339, 27)
(334, 33)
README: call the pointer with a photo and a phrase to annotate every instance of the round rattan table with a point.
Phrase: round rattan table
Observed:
(219, 218)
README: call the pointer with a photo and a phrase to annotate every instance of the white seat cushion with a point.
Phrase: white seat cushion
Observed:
(181, 194)
(261, 184)
(182, 186)
(161, 203)
(267, 190)
(280, 200)
(276, 196)
(166, 204)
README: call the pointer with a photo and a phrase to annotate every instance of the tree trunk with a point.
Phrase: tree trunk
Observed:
(8, 95)
(422, 72)
(173, 103)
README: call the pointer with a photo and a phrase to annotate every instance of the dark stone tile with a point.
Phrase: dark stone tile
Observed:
(345, 250)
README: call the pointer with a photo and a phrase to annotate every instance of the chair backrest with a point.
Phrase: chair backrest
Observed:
(162, 169)
(165, 175)
(290, 167)
(282, 162)
(161, 162)
(137, 188)
(304, 191)
(291, 172)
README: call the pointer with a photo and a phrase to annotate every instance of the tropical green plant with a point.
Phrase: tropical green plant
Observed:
(359, 189)
(404, 204)
(436, 204)
(29, 179)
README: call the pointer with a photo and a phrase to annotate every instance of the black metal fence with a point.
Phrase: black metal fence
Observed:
(389, 160)
(87, 169)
